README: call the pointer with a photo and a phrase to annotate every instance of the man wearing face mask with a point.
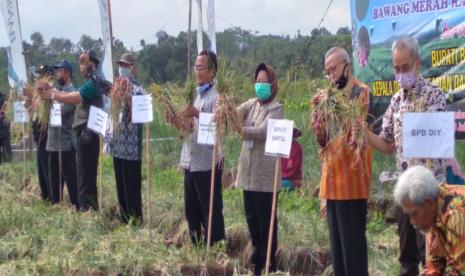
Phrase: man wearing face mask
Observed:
(88, 142)
(345, 175)
(196, 159)
(125, 145)
(416, 95)
(63, 139)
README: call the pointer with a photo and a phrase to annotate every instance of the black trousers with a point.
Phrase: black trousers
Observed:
(411, 245)
(197, 203)
(88, 148)
(5, 149)
(42, 170)
(347, 226)
(257, 206)
(68, 174)
(128, 187)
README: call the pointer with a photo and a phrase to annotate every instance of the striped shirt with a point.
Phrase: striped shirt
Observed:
(196, 157)
(342, 177)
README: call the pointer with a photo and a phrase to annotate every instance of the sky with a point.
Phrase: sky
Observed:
(134, 20)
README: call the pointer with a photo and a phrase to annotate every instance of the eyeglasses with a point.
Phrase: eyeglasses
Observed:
(332, 69)
(403, 69)
(200, 68)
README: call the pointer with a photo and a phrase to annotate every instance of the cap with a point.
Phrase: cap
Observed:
(127, 58)
(65, 65)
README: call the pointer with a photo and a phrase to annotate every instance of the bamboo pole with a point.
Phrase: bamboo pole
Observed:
(212, 195)
(149, 175)
(24, 152)
(100, 192)
(272, 219)
(60, 166)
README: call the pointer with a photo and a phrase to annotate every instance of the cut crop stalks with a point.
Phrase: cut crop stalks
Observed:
(120, 96)
(225, 116)
(338, 114)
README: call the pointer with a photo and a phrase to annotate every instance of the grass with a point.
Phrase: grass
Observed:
(37, 238)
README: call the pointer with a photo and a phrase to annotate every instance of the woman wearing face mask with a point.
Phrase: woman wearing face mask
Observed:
(125, 145)
(256, 171)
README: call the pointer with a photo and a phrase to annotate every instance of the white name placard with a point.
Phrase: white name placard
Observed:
(20, 112)
(55, 115)
(98, 120)
(428, 135)
(142, 109)
(279, 137)
(207, 129)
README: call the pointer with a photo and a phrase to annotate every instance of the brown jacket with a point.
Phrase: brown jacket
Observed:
(256, 170)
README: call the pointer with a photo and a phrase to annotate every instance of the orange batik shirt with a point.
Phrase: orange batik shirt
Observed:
(343, 177)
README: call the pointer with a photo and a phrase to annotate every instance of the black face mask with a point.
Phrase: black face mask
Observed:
(342, 81)
(61, 81)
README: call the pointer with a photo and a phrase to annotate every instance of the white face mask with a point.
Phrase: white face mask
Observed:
(125, 72)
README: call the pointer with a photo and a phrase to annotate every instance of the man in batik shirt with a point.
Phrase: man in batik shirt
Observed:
(437, 210)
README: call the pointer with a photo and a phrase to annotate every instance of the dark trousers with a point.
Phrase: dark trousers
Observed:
(128, 188)
(68, 174)
(5, 149)
(42, 170)
(197, 203)
(257, 206)
(347, 225)
(88, 148)
(411, 243)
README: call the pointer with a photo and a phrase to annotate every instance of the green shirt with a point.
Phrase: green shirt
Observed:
(89, 90)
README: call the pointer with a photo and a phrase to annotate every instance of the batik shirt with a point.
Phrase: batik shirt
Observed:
(446, 240)
(423, 97)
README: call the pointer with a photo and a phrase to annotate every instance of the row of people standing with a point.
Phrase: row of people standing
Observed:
(80, 148)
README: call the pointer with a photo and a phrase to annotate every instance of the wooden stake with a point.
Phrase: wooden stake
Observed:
(100, 204)
(24, 153)
(149, 175)
(60, 167)
(212, 195)
(273, 211)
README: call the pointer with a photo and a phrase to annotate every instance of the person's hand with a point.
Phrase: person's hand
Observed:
(360, 125)
(45, 90)
(316, 99)
(191, 111)
(316, 121)
(27, 92)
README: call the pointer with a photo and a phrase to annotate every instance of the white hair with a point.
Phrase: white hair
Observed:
(416, 185)
(340, 51)
(407, 42)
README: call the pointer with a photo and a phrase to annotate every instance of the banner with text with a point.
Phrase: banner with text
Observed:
(439, 27)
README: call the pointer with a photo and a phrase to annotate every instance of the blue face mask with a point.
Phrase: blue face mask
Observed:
(125, 72)
(202, 89)
(263, 91)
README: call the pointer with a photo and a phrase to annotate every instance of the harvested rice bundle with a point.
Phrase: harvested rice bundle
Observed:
(226, 118)
(8, 106)
(337, 114)
(121, 92)
(171, 113)
(43, 105)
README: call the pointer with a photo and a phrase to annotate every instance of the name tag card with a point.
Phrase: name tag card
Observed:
(279, 138)
(55, 115)
(428, 135)
(20, 112)
(98, 120)
(207, 129)
(142, 109)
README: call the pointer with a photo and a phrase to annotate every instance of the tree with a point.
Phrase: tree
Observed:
(37, 40)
